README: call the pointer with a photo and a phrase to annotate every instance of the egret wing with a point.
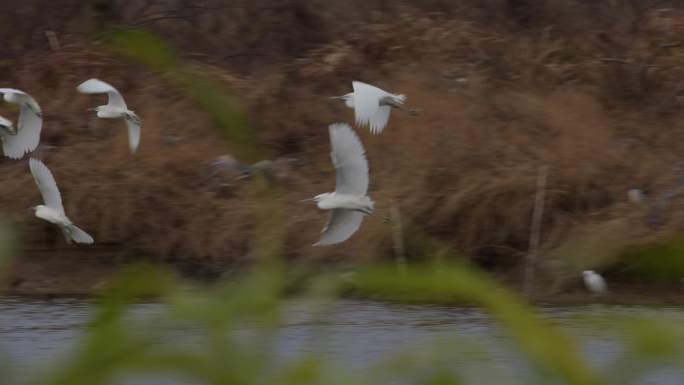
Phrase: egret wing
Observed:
(366, 102)
(7, 124)
(349, 159)
(599, 283)
(27, 136)
(46, 184)
(11, 91)
(97, 86)
(343, 223)
(133, 134)
(22, 98)
(78, 235)
(379, 121)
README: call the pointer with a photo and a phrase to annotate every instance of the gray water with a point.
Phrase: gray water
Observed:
(358, 336)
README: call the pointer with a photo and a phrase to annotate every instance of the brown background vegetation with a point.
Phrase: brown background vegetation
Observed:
(593, 90)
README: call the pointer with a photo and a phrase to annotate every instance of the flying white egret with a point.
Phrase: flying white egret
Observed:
(372, 105)
(594, 282)
(114, 109)
(53, 211)
(348, 202)
(17, 141)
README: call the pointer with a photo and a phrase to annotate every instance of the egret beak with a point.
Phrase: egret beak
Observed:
(91, 109)
(336, 97)
(307, 200)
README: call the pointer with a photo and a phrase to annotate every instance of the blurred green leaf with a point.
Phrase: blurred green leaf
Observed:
(213, 98)
(145, 47)
(462, 284)
(653, 339)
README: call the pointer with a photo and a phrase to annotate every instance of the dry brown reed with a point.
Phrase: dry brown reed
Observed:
(506, 87)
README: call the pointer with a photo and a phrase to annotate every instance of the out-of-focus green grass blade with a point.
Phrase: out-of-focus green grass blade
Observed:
(152, 51)
(146, 47)
(111, 343)
(459, 284)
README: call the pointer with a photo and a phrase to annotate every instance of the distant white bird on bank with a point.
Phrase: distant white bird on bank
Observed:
(24, 138)
(114, 109)
(53, 211)
(372, 105)
(348, 202)
(594, 282)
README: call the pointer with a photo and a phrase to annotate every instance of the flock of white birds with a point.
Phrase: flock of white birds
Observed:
(23, 138)
(349, 202)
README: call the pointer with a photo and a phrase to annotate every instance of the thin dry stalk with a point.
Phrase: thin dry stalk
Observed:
(535, 232)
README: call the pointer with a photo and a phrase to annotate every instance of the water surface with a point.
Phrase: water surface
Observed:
(356, 336)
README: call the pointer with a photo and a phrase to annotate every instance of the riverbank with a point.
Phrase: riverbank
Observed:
(73, 273)
(590, 93)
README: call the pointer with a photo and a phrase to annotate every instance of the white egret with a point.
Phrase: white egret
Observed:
(372, 105)
(53, 211)
(17, 141)
(594, 282)
(114, 109)
(348, 202)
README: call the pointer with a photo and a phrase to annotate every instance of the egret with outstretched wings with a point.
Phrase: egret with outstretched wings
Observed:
(24, 138)
(115, 108)
(372, 105)
(53, 210)
(349, 202)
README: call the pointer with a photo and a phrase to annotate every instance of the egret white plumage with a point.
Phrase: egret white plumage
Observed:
(7, 127)
(17, 141)
(349, 202)
(114, 109)
(53, 211)
(372, 105)
(594, 282)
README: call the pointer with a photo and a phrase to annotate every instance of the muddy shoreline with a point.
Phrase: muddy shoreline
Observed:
(73, 273)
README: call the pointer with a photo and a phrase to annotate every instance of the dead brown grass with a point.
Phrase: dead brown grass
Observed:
(503, 90)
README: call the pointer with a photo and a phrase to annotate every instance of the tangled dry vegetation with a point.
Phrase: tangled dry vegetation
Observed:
(594, 92)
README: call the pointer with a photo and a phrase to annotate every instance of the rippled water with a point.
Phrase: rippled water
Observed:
(353, 335)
